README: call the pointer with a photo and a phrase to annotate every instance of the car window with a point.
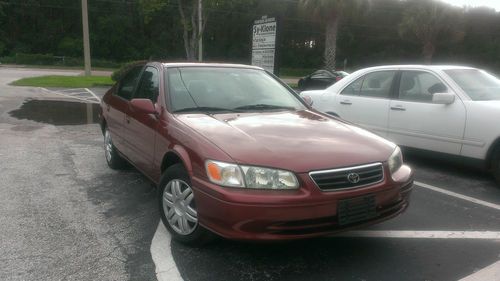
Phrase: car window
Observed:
(353, 88)
(227, 88)
(479, 85)
(377, 84)
(127, 84)
(419, 86)
(149, 85)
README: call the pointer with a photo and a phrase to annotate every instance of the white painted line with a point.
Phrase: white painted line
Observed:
(491, 272)
(95, 96)
(484, 235)
(90, 99)
(458, 195)
(166, 270)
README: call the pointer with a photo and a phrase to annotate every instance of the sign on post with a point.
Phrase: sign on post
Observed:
(264, 43)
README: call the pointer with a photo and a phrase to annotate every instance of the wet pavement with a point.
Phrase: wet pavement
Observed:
(57, 112)
(64, 214)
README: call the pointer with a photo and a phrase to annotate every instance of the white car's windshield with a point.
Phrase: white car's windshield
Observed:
(477, 84)
(227, 89)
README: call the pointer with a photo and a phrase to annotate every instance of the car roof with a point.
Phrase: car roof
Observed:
(421, 66)
(195, 64)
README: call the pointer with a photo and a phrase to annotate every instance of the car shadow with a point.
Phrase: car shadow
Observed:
(332, 258)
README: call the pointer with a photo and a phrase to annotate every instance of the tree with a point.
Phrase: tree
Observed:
(431, 23)
(330, 12)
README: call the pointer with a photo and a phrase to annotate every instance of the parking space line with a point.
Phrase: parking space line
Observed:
(482, 235)
(458, 195)
(74, 94)
(92, 93)
(491, 272)
(161, 252)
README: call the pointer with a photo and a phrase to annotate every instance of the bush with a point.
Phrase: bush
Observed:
(8, 60)
(118, 74)
(35, 59)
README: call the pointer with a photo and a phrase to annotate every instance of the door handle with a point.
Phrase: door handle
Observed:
(398, 108)
(346, 102)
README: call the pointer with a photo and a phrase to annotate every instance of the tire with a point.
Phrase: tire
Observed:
(495, 165)
(178, 208)
(301, 85)
(113, 158)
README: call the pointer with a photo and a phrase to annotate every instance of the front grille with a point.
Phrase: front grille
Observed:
(348, 177)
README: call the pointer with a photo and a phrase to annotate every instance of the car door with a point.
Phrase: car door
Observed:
(117, 107)
(415, 121)
(366, 100)
(141, 127)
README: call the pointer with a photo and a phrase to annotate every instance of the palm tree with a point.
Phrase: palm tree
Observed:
(330, 12)
(431, 23)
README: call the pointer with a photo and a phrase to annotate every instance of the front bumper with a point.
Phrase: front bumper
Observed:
(283, 215)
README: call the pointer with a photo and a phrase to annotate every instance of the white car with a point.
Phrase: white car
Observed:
(448, 109)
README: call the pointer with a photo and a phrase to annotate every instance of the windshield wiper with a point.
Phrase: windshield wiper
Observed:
(263, 107)
(205, 109)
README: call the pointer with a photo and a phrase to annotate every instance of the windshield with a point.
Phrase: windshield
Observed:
(477, 84)
(227, 89)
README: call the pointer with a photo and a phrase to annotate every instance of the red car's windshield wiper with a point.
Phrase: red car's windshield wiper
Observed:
(263, 107)
(205, 109)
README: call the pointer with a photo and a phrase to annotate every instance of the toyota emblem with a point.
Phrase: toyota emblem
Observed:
(353, 178)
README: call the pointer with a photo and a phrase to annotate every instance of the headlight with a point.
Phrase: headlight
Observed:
(257, 177)
(224, 174)
(395, 161)
(250, 177)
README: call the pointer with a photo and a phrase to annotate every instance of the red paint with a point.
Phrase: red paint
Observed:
(300, 142)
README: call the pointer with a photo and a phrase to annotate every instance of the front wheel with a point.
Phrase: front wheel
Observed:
(178, 208)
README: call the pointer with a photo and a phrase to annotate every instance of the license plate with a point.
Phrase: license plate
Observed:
(357, 209)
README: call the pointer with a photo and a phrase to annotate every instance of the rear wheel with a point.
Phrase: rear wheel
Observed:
(113, 158)
(495, 165)
(178, 208)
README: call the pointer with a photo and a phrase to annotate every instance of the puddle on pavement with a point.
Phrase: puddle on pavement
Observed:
(58, 112)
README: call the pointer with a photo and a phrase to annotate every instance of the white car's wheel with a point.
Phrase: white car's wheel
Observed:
(495, 165)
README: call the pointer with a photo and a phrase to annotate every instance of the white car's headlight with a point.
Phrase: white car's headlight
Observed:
(395, 161)
(249, 176)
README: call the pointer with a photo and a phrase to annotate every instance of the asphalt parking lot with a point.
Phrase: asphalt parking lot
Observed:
(66, 216)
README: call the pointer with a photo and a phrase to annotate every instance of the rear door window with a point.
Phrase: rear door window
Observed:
(377, 84)
(353, 88)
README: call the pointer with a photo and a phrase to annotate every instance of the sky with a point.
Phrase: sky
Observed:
(474, 3)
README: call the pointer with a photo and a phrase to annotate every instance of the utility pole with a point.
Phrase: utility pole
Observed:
(200, 34)
(86, 44)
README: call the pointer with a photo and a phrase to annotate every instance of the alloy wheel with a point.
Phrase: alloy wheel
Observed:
(179, 207)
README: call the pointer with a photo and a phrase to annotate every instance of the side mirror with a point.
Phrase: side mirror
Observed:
(145, 106)
(308, 100)
(443, 98)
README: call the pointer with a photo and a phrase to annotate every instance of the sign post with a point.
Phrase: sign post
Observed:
(264, 44)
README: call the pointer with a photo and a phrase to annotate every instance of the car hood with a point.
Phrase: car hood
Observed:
(300, 141)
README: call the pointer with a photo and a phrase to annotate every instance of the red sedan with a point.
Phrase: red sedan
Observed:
(236, 152)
